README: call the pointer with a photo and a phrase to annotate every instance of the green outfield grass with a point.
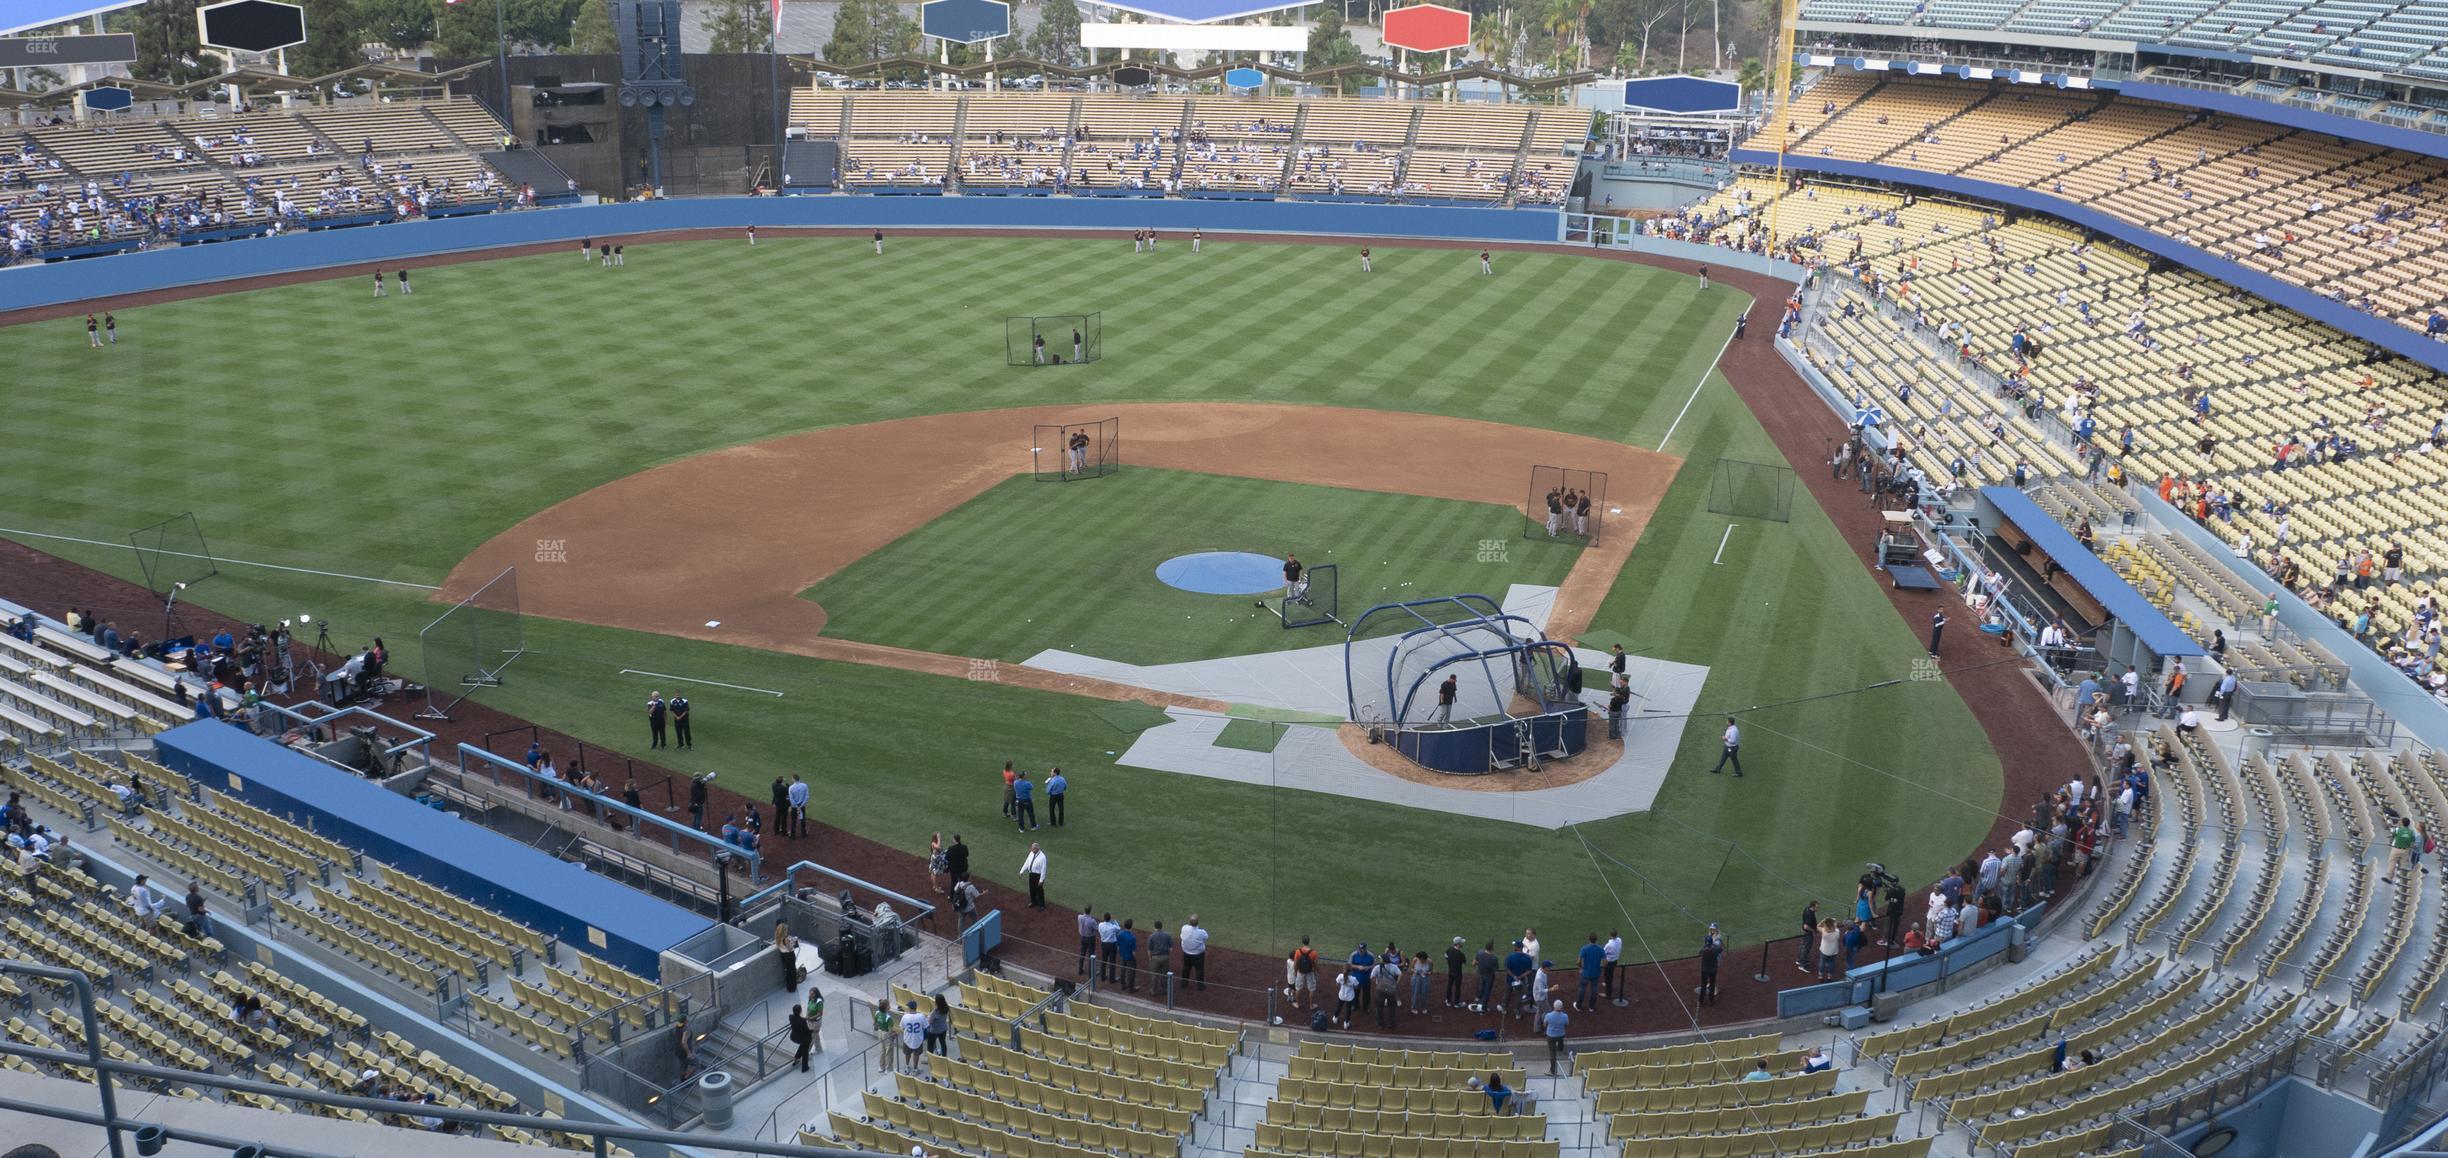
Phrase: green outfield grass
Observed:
(1028, 566)
(312, 427)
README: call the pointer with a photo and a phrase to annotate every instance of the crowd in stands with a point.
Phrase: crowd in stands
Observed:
(1169, 145)
(2301, 448)
(245, 171)
(2359, 224)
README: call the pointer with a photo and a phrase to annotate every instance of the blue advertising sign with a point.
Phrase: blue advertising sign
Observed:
(965, 21)
(19, 15)
(1682, 94)
(109, 99)
(1243, 78)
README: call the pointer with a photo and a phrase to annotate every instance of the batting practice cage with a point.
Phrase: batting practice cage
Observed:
(1558, 498)
(1516, 693)
(1066, 338)
(1316, 600)
(1076, 450)
(469, 645)
(1752, 490)
(172, 554)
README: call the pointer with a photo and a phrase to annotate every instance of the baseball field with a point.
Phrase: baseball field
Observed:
(743, 464)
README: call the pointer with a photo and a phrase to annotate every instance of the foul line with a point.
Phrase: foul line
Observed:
(216, 559)
(694, 680)
(1721, 542)
(1722, 347)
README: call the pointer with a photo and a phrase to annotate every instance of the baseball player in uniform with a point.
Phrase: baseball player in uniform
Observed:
(1296, 580)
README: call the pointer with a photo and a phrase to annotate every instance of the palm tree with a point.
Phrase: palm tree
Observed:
(1562, 16)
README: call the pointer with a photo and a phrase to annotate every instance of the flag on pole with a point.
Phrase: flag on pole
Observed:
(777, 29)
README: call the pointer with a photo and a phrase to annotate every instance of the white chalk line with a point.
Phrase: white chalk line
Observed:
(218, 560)
(661, 675)
(1696, 388)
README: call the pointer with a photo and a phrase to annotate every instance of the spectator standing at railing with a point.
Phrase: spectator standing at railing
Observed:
(1159, 952)
(1109, 948)
(1194, 951)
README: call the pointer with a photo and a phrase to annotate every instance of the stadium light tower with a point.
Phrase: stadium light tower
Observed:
(501, 50)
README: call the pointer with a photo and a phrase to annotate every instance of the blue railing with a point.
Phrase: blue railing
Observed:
(540, 787)
(1912, 971)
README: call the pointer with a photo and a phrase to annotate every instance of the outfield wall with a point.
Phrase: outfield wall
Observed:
(101, 278)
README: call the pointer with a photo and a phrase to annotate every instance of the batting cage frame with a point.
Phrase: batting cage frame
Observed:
(1318, 599)
(1517, 696)
(1020, 337)
(1752, 490)
(1075, 450)
(172, 553)
(1567, 526)
(471, 644)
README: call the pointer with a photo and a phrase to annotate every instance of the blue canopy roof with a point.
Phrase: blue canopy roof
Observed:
(588, 912)
(2147, 623)
(1202, 11)
(19, 15)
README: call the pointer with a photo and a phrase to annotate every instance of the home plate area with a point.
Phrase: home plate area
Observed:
(1303, 690)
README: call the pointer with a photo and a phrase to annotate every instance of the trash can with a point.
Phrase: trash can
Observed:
(2257, 742)
(714, 1099)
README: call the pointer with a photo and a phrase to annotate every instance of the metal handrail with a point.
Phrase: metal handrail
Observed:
(920, 911)
(602, 1134)
(678, 833)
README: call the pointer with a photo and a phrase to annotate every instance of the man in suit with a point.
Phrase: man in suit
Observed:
(956, 860)
(1033, 866)
(797, 797)
(654, 718)
(680, 722)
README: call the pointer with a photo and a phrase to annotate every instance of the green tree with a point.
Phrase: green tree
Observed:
(865, 30)
(740, 26)
(1753, 76)
(402, 24)
(592, 32)
(332, 39)
(166, 46)
(1330, 43)
(462, 31)
(539, 22)
(1057, 37)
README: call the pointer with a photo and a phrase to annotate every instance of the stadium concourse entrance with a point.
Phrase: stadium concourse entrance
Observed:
(1457, 684)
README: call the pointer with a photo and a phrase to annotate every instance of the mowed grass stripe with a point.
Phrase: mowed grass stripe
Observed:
(505, 386)
(1029, 566)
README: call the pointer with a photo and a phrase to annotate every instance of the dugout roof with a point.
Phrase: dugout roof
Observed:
(2130, 607)
(588, 912)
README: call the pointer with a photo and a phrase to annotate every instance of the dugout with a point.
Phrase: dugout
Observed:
(585, 911)
(1517, 697)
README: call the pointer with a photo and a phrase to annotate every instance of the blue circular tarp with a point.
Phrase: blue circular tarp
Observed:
(1222, 573)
